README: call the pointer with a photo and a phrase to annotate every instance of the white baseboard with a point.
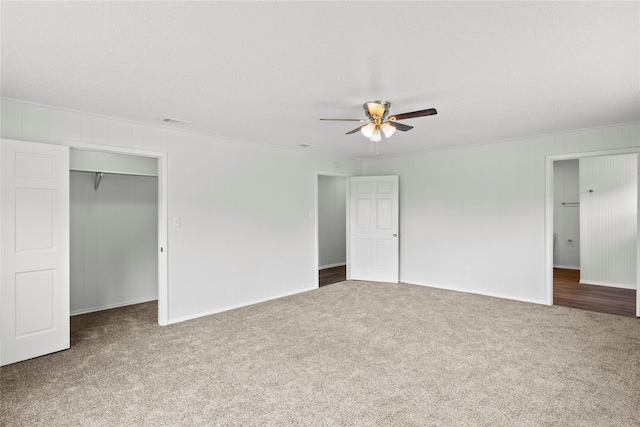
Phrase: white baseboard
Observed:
(232, 307)
(486, 294)
(338, 264)
(110, 306)
(611, 285)
(567, 267)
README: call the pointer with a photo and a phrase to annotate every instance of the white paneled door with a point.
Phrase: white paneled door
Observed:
(34, 250)
(373, 226)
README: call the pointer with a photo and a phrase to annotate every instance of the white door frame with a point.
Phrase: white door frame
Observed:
(549, 217)
(318, 174)
(163, 181)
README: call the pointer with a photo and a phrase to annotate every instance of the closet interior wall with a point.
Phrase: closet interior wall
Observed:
(566, 214)
(114, 239)
(332, 221)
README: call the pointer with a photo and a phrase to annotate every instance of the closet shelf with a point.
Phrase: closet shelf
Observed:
(100, 174)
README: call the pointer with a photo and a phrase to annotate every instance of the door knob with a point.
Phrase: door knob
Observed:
(395, 235)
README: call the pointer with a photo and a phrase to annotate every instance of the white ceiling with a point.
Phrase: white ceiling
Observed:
(267, 71)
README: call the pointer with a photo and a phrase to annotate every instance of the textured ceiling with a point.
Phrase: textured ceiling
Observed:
(267, 71)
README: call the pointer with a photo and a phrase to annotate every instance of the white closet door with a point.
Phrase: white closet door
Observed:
(608, 220)
(34, 250)
(374, 228)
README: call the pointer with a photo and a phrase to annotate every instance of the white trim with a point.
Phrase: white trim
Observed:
(607, 284)
(475, 292)
(111, 148)
(549, 212)
(548, 231)
(567, 267)
(337, 264)
(316, 208)
(110, 306)
(348, 227)
(235, 306)
(163, 207)
(573, 156)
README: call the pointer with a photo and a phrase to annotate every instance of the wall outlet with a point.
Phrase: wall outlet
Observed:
(466, 272)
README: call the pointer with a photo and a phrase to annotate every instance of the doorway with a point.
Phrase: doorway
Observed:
(587, 246)
(162, 209)
(331, 228)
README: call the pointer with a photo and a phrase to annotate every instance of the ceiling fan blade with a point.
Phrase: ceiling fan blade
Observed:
(356, 129)
(421, 113)
(347, 120)
(401, 126)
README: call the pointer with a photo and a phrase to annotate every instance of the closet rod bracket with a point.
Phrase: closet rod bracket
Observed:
(97, 179)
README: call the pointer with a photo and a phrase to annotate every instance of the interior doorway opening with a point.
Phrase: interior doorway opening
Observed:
(331, 228)
(586, 232)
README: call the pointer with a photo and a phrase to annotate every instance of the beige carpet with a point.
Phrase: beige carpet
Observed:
(353, 353)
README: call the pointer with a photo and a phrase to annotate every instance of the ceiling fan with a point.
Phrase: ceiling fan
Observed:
(378, 123)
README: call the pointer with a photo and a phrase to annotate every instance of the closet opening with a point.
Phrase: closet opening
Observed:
(118, 228)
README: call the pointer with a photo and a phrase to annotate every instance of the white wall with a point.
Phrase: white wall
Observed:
(248, 231)
(114, 241)
(98, 161)
(608, 220)
(482, 208)
(566, 218)
(332, 221)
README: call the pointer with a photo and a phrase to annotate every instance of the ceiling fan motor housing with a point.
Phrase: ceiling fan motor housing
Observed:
(376, 111)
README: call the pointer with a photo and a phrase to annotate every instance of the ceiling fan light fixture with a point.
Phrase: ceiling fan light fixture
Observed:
(367, 130)
(376, 136)
(388, 129)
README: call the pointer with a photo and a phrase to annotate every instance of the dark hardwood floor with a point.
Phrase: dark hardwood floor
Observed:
(569, 292)
(333, 275)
